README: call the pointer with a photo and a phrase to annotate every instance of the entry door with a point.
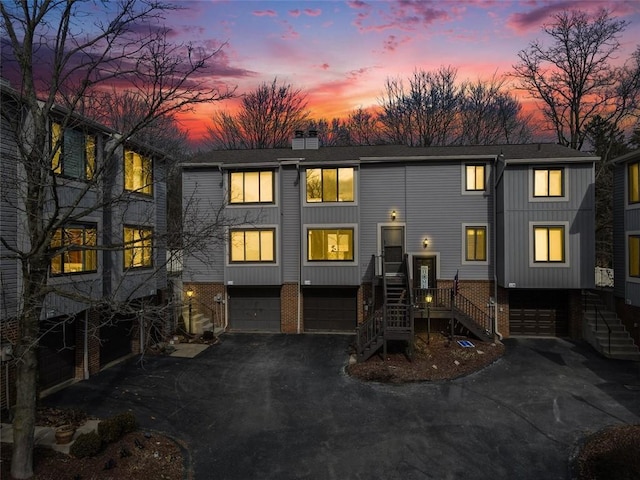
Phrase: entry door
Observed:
(430, 264)
(392, 249)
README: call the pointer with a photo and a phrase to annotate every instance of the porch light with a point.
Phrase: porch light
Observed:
(428, 298)
(425, 243)
(190, 292)
(393, 215)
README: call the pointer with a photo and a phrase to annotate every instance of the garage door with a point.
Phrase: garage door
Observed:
(115, 339)
(57, 351)
(330, 309)
(254, 309)
(542, 313)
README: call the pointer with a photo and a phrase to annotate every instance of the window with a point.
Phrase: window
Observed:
(474, 178)
(633, 173)
(634, 256)
(548, 243)
(138, 251)
(330, 185)
(255, 245)
(74, 250)
(75, 154)
(251, 187)
(548, 182)
(329, 245)
(138, 173)
(476, 244)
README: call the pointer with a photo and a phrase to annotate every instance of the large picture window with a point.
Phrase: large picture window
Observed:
(476, 244)
(474, 178)
(138, 173)
(138, 247)
(548, 182)
(633, 175)
(75, 153)
(251, 187)
(330, 245)
(330, 185)
(76, 245)
(253, 245)
(634, 256)
(549, 243)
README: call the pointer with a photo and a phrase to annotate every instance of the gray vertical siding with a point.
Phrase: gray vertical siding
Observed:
(160, 228)
(290, 234)
(577, 211)
(9, 271)
(202, 196)
(619, 237)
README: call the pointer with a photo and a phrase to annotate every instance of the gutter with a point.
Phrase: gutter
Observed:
(495, 241)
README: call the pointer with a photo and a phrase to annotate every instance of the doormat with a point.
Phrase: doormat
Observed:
(465, 343)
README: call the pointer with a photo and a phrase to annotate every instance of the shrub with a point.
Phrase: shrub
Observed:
(127, 421)
(86, 445)
(110, 430)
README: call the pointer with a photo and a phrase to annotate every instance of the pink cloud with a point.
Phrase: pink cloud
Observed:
(313, 12)
(534, 19)
(324, 66)
(294, 13)
(264, 13)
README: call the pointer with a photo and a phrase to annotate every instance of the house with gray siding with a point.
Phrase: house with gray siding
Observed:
(626, 238)
(108, 203)
(320, 239)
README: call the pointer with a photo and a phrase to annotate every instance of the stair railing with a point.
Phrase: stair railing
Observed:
(468, 308)
(372, 327)
(598, 313)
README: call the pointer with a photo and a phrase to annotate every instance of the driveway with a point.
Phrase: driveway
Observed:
(281, 407)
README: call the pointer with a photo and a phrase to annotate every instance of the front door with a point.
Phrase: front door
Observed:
(392, 249)
(424, 272)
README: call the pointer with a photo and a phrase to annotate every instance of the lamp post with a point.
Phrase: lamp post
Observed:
(428, 299)
(190, 293)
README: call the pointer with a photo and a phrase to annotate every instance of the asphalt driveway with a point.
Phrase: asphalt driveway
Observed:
(281, 407)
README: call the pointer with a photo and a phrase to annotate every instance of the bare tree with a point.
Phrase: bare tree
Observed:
(574, 76)
(425, 113)
(363, 128)
(491, 115)
(267, 118)
(59, 61)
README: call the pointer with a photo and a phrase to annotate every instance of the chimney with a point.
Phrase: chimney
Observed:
(310, 142)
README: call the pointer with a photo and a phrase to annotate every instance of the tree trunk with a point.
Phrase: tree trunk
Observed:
(26, 391)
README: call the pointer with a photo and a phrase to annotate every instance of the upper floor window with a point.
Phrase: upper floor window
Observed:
(75, 152)
(633, 174)
(548, 182)
(548, 243)
(252, 245)
(634, 256)
(330, 185)
(138, 247)
(330, 244)
(77, 247)
(251, 187)
(476, 244)
(138, 173)
(474, 178)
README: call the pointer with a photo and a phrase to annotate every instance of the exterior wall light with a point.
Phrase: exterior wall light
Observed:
(425, 243)
(393, 215)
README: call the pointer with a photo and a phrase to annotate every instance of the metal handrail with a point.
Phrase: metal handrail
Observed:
(598, 313)
(468, 308)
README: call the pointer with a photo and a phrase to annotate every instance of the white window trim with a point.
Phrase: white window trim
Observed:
(463, 176)
(276, 239)
(565, 183)
(567, 249)
(303, 188)
(329, 226)
(464, 244)
(628, 277)
(227, 191)
(627, 204)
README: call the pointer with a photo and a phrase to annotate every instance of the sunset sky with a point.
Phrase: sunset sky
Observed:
(341, 52)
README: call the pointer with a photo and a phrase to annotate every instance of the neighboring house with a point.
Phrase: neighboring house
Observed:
(317, 238)
(626, 231)
(120, 200)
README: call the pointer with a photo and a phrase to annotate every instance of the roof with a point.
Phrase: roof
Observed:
(543, 152)
(627, 156)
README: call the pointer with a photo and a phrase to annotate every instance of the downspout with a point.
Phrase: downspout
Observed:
(495, 246)
(301, 236)
(85, 353)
